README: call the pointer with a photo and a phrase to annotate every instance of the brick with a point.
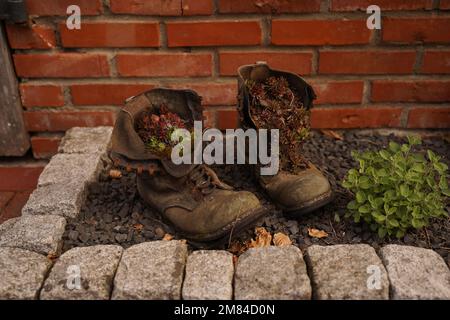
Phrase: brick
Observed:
(5, 196)
(297, 62)
(320, 32)
(268, 6)
(38, 121)
(209, 118)
(227, 119)
(413, 30)
(385, 5)
(30, 37)
(162, 7)
(15, 205)
(165, 65)
(111, 34)
(213, 93)
(423, 118)
(436, 62)
(61, 65)
(41, 95)
(335, 92)
(197, 7)
(45, 146)
(59, 7)
(411, 91)
(105, 94)
(366, 62)
(213, 33)
(445, 5)
(346, 118)
(145, 7)
(20, 176)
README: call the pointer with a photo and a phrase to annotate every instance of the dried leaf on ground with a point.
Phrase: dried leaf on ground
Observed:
(167, 237)
(332, 134)
(52, 256)
(263, 238)
(281, 240)
(315, 233)
(138, 227)
(238, 247)
(115, 174)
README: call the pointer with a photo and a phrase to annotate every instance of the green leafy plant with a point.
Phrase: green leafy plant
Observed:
(396, 189)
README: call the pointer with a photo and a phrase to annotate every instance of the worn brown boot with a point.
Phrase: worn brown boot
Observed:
(190, 197)
(297, 191)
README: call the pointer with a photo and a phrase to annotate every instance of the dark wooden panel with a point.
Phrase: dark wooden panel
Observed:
(14, 139)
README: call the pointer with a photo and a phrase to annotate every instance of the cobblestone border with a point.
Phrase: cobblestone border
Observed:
(30, 246)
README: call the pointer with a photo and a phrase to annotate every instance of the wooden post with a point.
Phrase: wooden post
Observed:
(14, 139)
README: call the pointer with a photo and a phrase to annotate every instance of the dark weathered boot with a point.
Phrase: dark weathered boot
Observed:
(298, 192)
(190, 197)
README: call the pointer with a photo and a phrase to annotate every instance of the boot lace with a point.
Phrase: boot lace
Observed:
(205, 180)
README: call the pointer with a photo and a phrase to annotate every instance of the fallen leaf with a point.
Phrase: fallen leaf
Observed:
(315, 233)
(235, 259)
(332, 134)
(167, 237)
(52, 256)
(263, 238)
(115, 174)
(281, 240)
(238, 247)
(138, 227)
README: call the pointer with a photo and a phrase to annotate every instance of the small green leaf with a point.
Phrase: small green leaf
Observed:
(404, 190)
(416, 223)
(384, 154)
(418, 167)
(400, 233)
(364, 209)
(352, 205)
(361, 197)
(393, 223)
(382, 232)
(443, 183)
(405, 148)
(364, 182)
(431, 155)
(337, 218)
(394, 147)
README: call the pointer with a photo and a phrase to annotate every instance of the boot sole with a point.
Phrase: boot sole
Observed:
(309, 206)
(222, 236)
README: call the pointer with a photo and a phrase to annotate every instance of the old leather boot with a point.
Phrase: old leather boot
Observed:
(190, 197)
(296, 192)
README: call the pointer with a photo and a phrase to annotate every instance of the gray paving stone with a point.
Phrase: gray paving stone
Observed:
(83, 273)
(8, 224)
(93, 140)
(209, 276)
(272, 273)
(22, 273)
(60, 199)
(41, 234)
(76, 169)
(151, 270)
(347, 272)
(416, 273)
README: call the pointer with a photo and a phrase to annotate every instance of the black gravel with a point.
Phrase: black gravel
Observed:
(114, 213)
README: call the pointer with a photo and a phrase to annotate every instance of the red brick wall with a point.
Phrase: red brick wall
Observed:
(398, 76)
